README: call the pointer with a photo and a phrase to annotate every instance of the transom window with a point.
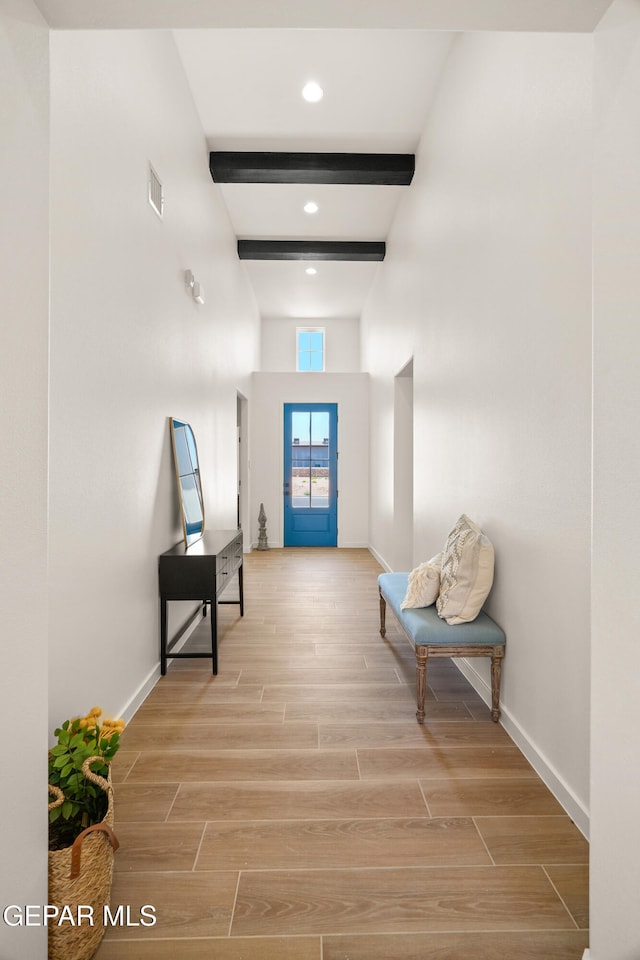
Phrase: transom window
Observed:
(310, 349)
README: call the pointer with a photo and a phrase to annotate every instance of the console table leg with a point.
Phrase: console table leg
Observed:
(241, 589)
(163, 637)
(214, 636)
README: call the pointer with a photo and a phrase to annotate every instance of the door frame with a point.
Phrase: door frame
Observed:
(312, 534)
(242, 421)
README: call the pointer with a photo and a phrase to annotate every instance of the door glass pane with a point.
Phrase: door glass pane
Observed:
(300, 479)
(319, 460)
(310, 447)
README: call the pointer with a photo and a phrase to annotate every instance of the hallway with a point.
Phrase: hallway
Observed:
(292, 809)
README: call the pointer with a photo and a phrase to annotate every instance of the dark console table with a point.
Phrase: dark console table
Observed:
(199, 572)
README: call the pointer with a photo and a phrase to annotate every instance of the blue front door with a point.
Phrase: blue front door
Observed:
(310, 474)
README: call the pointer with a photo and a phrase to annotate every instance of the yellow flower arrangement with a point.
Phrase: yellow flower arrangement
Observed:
(84, 803)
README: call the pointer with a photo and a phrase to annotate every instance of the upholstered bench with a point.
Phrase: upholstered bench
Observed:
(433, 637)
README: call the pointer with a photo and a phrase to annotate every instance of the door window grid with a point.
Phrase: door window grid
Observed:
(310, 448)
(310, 349)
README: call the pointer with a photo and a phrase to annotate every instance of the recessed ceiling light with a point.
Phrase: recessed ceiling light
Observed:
(311, 207)
(311, 271)
(312, 92)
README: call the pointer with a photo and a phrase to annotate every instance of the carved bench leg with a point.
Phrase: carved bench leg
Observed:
(422, 656)
(383, 613)
(496, 671)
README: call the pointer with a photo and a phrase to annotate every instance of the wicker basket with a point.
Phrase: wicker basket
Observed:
(81, 875)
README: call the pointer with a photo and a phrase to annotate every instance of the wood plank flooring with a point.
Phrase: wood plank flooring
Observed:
(291, 808)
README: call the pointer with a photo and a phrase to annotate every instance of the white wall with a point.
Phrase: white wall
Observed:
(129, 348)
(402, 555)
(269, 394)
(486, 284)
(615, 691)
(342, 344)
(24, 294)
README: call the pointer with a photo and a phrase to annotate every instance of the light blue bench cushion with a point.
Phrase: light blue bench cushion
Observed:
(427, 628)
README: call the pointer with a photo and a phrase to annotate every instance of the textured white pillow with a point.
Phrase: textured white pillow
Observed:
(424, 584)
(467, 573)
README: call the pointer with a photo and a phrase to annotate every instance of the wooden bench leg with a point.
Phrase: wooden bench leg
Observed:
(496, 671)
(383, 613)
(421, 681)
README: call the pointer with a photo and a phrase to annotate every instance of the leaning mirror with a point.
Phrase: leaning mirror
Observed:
(185, 457)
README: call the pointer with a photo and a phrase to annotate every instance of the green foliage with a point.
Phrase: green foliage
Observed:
(85, 803)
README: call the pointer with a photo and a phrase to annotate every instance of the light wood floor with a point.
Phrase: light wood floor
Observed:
(291, 808)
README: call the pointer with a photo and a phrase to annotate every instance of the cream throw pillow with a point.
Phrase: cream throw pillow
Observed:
(424, 584)
(467, 573)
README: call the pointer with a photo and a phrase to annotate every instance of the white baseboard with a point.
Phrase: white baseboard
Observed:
(543, 767)
(383, 563)
(145, 688)
(141, 694)
(187, 633)
(356, 545)
(586, 954)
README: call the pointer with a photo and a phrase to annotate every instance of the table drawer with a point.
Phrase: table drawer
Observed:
(231, 559)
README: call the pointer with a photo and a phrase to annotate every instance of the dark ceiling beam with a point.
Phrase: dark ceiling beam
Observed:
(383, 169)
(311, 250)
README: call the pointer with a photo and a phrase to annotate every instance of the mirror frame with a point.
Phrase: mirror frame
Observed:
(187, 467)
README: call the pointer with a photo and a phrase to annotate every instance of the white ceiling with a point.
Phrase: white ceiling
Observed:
(247, 85)
(567, 15)
(378, 63)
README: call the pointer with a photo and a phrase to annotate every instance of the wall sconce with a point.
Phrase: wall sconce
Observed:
(197, 290)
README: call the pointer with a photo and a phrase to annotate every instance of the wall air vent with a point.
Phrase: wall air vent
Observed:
(156, 192)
